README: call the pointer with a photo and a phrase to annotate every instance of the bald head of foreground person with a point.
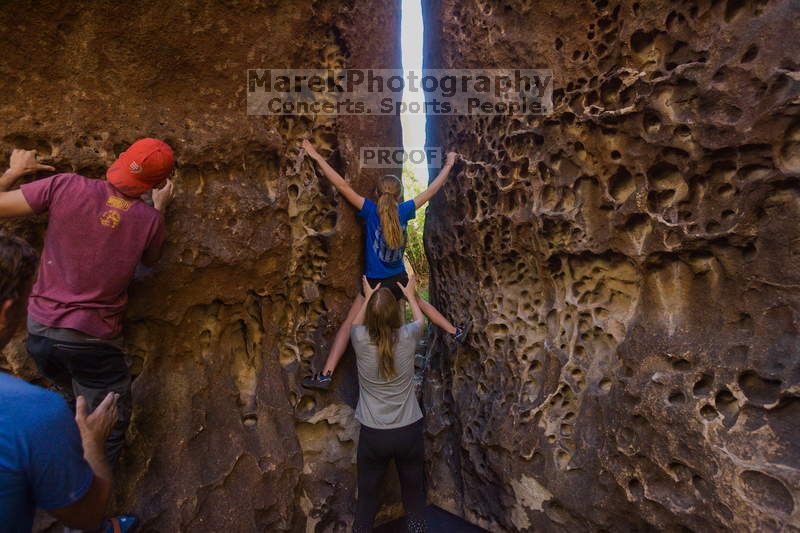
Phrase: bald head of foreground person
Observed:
(47, 459)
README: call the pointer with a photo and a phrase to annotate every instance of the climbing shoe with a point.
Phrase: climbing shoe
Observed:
(121, 524)
(318, 381)
(462, 332)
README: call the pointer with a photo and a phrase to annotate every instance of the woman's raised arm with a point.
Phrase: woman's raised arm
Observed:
(423, 197)
(344, 188)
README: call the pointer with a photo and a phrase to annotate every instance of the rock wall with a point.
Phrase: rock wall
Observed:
(631, 263)
(223, 438)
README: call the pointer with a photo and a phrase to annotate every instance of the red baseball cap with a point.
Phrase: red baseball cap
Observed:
(145, 164)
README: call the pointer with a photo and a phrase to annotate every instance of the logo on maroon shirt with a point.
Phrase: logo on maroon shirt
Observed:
(118, 203)
(110, 219)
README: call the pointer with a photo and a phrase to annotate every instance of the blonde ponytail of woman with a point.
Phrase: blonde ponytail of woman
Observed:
(390, 192)
(383, 321)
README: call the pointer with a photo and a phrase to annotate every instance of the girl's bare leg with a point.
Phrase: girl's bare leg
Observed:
(343, 337)
(436, 317)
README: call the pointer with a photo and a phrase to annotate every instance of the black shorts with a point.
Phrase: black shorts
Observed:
(391, 284)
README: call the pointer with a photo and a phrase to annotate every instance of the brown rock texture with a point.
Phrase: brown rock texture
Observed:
(631, 263)
(262, 259)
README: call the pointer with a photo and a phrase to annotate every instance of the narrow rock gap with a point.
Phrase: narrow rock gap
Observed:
(416, 176)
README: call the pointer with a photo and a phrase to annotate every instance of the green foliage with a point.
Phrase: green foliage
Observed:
(415, 248)
(423, 293)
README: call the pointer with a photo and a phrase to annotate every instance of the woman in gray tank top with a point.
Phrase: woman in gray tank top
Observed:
(391, 420)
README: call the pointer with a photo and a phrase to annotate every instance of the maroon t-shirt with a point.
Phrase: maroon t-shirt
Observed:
(95, 239)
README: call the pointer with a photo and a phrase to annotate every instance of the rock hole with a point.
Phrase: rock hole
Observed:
(703, 385)
(635, 488)
(726, 404)
(708, 412)
(307, 403)
(767, 491)
(651, 121)
(659, 200)
(563, 458)
(609, 91)
(761, 391)
(750, 54)
(621, 184)
(681, 364)
(250, 419)
(641, 40)
(749, 251)
(726, 190)
(680, 471)
(664, 175)
(683, 130)
(733, 8)
(676, 397)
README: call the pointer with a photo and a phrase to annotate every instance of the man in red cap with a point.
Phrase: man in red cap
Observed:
(98, 233)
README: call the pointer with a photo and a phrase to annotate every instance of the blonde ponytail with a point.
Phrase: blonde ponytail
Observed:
(390, 192)
(383, 322)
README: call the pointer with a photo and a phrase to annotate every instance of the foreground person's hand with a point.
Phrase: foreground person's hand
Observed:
(87, 513)
(96, 426)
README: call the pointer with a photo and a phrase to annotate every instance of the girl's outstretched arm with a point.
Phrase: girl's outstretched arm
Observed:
(423, 197)
(344, 188)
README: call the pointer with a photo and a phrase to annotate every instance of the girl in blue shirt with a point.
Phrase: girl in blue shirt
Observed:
(384, 246)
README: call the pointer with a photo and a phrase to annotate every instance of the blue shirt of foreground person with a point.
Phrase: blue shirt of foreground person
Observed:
(46, 459)
(41, 459)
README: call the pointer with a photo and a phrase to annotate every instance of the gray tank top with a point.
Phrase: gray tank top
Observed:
(387, 404)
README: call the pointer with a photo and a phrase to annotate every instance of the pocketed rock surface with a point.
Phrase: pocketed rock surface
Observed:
(631, 266)
(262, 259)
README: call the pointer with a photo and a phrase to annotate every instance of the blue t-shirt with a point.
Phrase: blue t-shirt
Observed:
(381, 261)
(41, 456)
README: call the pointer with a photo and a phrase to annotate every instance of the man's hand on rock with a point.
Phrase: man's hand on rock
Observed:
(24, 162)
(163, 197)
